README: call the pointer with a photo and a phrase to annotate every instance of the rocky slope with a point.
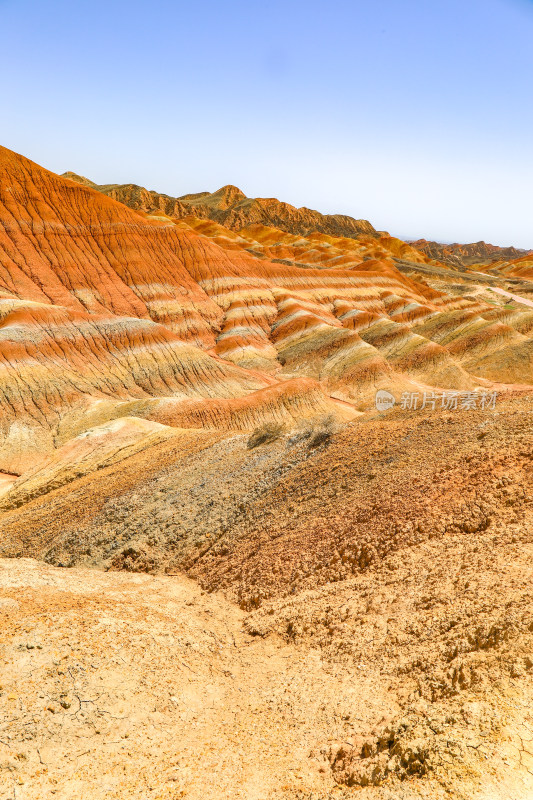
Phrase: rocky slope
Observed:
(187, 391)
(384, 648)
(465, 255)
(231, 208)
(521, 268)
(102, 306)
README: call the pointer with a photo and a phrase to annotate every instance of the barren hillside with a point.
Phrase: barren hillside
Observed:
(226, 571)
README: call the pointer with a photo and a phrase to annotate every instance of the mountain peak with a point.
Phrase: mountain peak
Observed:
(228, 196)
(72, 176)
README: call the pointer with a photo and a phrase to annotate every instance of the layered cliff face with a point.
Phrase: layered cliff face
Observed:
(102, 305)
(314, 249)
(188, 386)
(521, 267)
(95, 302)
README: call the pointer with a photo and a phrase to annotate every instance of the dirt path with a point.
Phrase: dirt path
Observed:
(515, 297)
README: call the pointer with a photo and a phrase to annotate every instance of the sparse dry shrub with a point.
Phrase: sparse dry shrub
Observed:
(266, 433)
(315, 431)
(323, 432)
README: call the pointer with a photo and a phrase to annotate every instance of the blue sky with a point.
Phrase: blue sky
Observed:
(415, 114)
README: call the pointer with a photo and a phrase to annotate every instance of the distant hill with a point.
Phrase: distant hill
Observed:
(230, 207)
(464, 255)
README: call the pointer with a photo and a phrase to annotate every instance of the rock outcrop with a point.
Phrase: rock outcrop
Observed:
(231, 208)
(465, 255)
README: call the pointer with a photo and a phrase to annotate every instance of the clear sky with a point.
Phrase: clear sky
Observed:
(415, 114)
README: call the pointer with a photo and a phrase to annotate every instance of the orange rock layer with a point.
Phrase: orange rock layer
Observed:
(102, 305)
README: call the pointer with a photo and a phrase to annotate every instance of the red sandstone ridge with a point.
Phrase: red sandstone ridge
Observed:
(68, 245)
(95, 302)
(103, 306)
(184, 397)
(314, 249)
(464, 255)
(519, 267)
(230, 207)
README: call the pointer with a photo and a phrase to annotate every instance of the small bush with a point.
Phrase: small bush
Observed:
(323, 432)
(268, 432)
(315, 431)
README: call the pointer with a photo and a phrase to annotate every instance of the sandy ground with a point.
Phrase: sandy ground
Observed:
(133, 686)
(6, 482)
